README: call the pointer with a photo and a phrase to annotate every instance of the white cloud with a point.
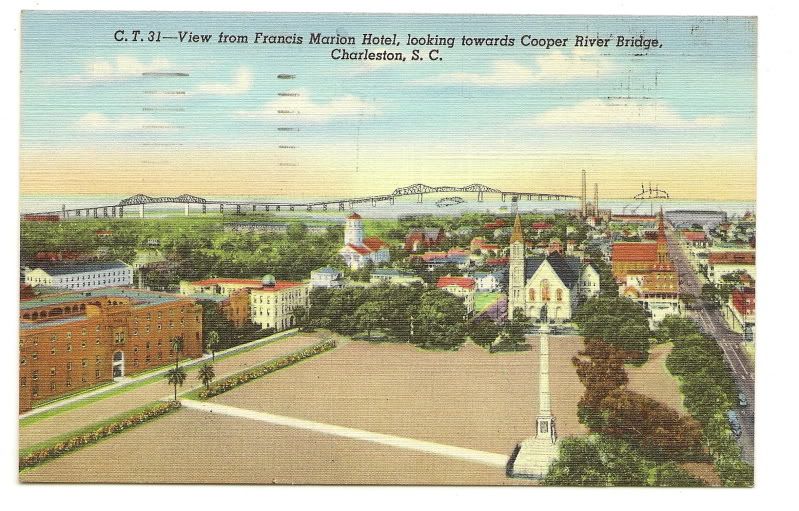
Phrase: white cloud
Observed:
(121, 68)
(556, 66)
(305, 109)
(242, 82)
(623, 112)
(96, 121)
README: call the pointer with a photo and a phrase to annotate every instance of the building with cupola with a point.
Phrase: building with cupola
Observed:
(273, 303)
(546, 287)
(359, 250)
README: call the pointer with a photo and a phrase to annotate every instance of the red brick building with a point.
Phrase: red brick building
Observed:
(74, 341)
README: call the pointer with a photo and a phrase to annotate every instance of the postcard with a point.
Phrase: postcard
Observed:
(387, 249)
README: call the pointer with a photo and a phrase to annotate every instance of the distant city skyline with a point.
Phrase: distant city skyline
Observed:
(108, 119)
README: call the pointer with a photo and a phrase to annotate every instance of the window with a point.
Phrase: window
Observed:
(52, 351)
(83, 344)
(23, 382)
(34, 356)
(69, 366)
(559, 295)
(97, 374)
(35, 375)
(52, 371)
(545, 290)
(97, 360)
(532, 294)
(52, 386)
(84, 362)
(22, 361)
(69, 383)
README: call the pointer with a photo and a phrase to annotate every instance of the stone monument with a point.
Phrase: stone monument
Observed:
(537, 453)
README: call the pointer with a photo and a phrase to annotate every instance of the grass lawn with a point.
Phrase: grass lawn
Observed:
(483, 299)
(88, 429)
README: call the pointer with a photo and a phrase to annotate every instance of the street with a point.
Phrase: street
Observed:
(711, 323)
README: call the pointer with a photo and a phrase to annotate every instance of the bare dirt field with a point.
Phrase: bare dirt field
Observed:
(654, 380)
(114, 405)
(469, 398)
(197, 447)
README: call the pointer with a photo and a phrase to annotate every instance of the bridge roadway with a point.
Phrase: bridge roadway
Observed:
(419, 190)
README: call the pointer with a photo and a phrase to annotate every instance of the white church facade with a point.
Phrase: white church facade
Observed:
(358, 251)
(548, 286)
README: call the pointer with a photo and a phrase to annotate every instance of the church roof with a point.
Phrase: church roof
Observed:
(566, 268)
(373, 243)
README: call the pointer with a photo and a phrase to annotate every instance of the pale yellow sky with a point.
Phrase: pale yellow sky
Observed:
(327, 172)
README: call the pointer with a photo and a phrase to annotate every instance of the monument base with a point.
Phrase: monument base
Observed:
(535, 456)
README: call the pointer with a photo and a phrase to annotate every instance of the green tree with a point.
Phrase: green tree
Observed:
(618, 321)
(675, 328)
(176, 376)
(368, 315)
(212, 343)
(206, 375)
(597, 461)
(177, 348)
(300, 314)
(484, 333)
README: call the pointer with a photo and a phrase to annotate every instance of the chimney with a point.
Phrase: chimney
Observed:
(583, 198)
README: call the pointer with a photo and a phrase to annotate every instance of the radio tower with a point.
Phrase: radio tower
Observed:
(584, 205)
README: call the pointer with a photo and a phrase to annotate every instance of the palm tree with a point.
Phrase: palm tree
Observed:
(176, 377)
(206, 375)
(212, 343)
(177, 348)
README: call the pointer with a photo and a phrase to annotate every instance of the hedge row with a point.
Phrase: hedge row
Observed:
(234, 381)
(82, 439)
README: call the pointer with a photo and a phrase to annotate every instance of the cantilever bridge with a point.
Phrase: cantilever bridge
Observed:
(139, 201)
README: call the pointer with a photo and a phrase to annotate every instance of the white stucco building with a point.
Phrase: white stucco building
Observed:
(272, 305)
(358, 251)
(80, 276)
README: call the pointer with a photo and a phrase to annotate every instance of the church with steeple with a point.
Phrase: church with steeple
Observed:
(546, 286)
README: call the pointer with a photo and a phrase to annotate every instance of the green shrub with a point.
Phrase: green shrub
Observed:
(84, 438)
(231, 382)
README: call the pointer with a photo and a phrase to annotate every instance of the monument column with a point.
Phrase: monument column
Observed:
(537, 453)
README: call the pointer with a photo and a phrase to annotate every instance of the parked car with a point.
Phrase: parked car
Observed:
(742, 401)
(735, 423)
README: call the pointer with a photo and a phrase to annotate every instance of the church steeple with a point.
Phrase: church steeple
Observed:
(516, 299)
(663, 248)
(517, 234)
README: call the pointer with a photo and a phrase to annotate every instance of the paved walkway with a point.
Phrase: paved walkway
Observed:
(471, 455)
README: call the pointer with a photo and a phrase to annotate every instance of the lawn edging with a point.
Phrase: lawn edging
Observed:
(94, 433)
(233, 381)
